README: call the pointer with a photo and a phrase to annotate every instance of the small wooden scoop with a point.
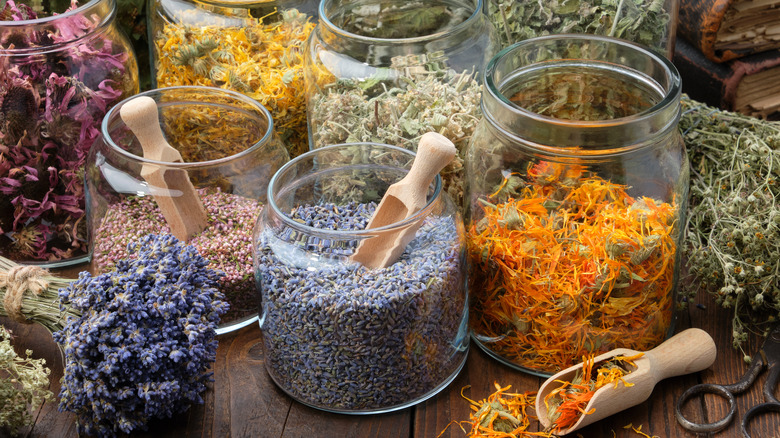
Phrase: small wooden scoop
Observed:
(172, 189)
(402, 200)
(687, 352)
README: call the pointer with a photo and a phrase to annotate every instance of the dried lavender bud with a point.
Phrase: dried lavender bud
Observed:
(24, 383)
(343, 337)
(145, 340)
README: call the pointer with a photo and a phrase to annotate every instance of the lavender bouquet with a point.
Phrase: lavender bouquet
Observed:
(138, 341)
(57, 80)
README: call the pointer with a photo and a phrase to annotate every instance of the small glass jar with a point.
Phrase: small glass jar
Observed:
(342, 337)
(59, 74)
(652, 23)
(229, 153)
(390, 71)
(577, 187)
(250, 46)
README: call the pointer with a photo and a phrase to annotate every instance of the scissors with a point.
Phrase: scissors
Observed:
(768, 357)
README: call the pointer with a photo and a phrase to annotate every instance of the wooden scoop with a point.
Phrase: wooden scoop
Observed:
(687, 352)
(402, 200)
(172, 189)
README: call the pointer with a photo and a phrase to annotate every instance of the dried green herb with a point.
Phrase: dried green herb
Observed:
(642, 21)
(24, 383)
(398, 109)
(406, 19)
(733, 239)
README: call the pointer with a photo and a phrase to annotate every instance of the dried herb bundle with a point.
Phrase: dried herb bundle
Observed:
(642, 21)
(733, 239)
(398, 109)
(24, 382)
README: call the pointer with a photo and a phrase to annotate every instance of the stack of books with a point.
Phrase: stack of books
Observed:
(728, 54)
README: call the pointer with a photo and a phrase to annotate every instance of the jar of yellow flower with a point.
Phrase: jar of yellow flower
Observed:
(250, 46)
(577, 181)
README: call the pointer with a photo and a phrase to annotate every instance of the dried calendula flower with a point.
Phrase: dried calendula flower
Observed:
(260, 57)
(24, 383)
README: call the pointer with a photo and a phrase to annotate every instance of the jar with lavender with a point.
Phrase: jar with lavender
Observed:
(62, 66)
(339, 336)
(229, 152)
(390, 71)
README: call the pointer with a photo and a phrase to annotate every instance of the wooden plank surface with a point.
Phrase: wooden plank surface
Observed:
(243, 401)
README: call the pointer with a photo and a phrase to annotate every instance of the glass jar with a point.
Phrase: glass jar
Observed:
(229, 153)
(250, 46)
(59, 74)
(389, 71)
(652, 23)
(342, 337)
(577, 186)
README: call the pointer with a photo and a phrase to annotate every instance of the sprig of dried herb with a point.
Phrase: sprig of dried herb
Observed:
(642, 21)
(24, 382)
(733, 239)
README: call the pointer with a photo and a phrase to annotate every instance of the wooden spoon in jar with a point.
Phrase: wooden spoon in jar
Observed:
(172, 189)
(689, 351)
(402, 200)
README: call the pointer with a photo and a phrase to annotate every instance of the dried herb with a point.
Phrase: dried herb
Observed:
(501, 415)
(24, 383)
(397, 105)
(261, 57)
(565, 265)
(733, 229)
(642, 21)
(340, 336)
(51, 107)
(566, 403)
(408, 19)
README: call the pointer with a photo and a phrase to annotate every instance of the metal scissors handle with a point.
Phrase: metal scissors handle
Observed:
(767, 357)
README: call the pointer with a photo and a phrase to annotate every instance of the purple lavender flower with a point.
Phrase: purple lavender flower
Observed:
(51, 107)
(145, 340)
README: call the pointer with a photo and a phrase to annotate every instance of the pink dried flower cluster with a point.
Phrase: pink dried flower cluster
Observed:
(51, 107)
(226, 242)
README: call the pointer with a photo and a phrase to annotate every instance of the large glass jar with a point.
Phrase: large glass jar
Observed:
(59, 74)
(577, 187)
(652, 23)
(390, 71)
(342, 337)
(229, 154)
(251, 46)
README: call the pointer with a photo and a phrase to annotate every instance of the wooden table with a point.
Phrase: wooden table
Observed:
(244, 402)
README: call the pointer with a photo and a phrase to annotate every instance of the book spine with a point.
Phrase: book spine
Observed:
(699, 22)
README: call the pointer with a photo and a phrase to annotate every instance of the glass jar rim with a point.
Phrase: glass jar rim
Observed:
(197, 164)
(106, 20)
(324, 20)
(346, 234)
(671, 94)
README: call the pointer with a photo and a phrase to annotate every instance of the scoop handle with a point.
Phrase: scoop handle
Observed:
(434, 151)
(689, 351)
(140, 115)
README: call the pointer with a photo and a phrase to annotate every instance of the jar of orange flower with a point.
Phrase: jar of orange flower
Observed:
(577, 179)
(250, 46)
